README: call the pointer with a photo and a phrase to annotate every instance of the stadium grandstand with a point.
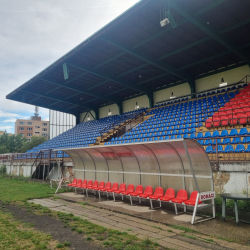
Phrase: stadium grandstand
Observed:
(162, 73)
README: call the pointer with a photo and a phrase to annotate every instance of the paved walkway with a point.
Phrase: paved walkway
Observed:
(163, 234)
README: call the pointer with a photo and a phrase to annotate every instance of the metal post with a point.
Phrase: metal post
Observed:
(191, 166)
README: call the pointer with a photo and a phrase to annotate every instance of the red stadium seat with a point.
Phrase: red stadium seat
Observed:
(216, 121)
(246, 110)
(248, 114)
(101, 185)
(244, 105)
(84, 184)
(107, 187)
(237, 111)
(222, 113)
(181, 196)
(208, 123)
(121, 189)
(95, 185)
(230, 112)
(147, 192)
(73, 183)
(79, 182)
(228, 108)
(192, 199)
(233, 119)
(114, 188)
(169, 195)
(215, 114)
(90, 183)
(157, 194)
(242, 118)
(138, 190)
(129, 190)
(224, 120)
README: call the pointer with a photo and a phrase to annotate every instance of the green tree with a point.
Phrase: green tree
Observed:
(18, 143)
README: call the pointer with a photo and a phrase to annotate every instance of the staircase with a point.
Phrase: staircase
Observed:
(119, 129)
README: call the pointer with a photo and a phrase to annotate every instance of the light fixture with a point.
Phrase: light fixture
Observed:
(172, 96)
(223, 83)
(88, 118)
(164, 22)
(137, 106)
(109, 113)
(140, 76)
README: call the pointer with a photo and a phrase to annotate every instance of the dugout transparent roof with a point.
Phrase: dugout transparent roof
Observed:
(172, 163)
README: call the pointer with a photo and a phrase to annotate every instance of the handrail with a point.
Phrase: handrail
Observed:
(125, 123)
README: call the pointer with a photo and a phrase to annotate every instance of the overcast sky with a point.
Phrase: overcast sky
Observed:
(35, 33)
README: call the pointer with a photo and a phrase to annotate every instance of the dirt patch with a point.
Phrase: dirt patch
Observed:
(53, 226)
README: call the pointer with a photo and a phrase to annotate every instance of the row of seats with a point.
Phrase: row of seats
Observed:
(240, 148)
(158, 194)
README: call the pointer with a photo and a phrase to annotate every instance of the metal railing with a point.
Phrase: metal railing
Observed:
(119, 125)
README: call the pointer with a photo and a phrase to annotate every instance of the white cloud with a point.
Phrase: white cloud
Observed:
(10, 120)
(7, 128)
(8, 114)
(34, 34)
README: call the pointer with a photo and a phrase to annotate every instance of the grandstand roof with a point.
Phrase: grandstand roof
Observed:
(134, 55)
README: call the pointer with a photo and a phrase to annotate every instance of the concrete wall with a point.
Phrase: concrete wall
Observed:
(179, 90)
(230, 76)
(82, 115)
(129, 105)
(213, 81)
(103, 112)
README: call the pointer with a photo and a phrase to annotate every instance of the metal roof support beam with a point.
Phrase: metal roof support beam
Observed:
(56, 98)
(112, 79)
(167, 68)
(81, 90)
(208, 30)
(167, 29)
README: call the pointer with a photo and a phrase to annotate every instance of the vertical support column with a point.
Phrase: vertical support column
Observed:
(120, 107)
(77, 119)
(150, 99)
(96, 111)
(192, 88)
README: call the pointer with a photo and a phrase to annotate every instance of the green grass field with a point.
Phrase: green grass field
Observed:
(17, 236)
(20, 190)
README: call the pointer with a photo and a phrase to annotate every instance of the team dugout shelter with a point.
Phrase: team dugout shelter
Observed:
(156, 49)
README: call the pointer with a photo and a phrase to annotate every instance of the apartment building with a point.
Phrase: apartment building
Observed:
(34, 126)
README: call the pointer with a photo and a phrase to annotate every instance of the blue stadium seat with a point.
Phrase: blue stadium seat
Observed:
(233, 132)
(199, 135)
(216, 133)
(240, 148)
(243, 131)
(224, 133)
(185, 136)
(209, 149)
(226, 141)
(246, 139)
(229, 149)
(192, 136)
(236, 140)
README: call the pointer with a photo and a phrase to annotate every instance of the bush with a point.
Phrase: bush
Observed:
(3, 169)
